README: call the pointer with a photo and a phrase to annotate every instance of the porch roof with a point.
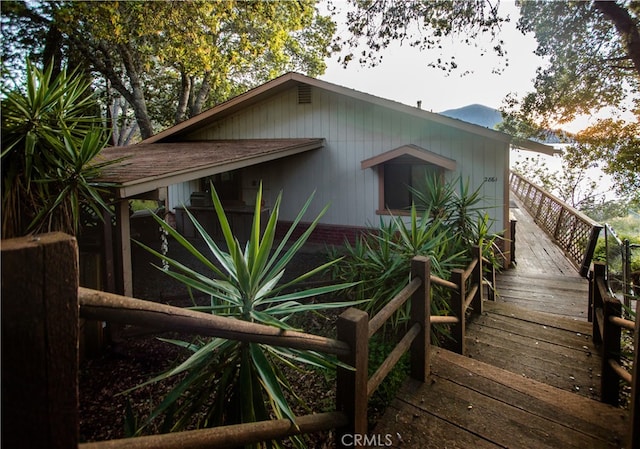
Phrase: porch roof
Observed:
(147, 167)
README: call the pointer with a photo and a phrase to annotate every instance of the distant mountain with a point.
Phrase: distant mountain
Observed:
(488, 117)
(477, 114)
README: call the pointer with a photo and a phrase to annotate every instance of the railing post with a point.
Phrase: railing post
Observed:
(634, 408)
(611, 334)
(559, 222)
(540, 205)
(513, 223)
(476, 279)
(596, 300)
(421, 313)
(457, 307)
(351, 387)
(40, 342)
(591, 247)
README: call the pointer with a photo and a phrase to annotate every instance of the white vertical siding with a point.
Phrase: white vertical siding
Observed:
(354, 130)
(179, 194)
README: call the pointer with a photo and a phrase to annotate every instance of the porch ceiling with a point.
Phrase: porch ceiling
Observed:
(147, 167)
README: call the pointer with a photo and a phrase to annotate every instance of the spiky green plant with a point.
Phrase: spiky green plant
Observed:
(444, 225)
(50, 139)
(226, 381)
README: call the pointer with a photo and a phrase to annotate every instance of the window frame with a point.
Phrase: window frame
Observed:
(407, 153)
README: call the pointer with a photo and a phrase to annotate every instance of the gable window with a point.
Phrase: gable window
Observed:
(402, 170)
(400, 178)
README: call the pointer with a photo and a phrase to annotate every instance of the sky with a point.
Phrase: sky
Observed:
(404, 75)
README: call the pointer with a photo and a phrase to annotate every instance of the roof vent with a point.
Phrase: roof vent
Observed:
(304, 94)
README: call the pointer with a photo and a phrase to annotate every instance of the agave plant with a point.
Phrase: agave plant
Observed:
(226, 381)
(382, 260)
(448, 224)
(50, 139)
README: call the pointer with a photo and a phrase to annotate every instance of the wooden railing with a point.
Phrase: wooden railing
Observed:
(572, 230)
(42, 304)
(354, 327)
(605, 311)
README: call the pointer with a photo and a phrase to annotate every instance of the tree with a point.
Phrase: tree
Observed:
(50, 138)
(593, 52)
(186, 54)
(571, 184)
(592, 49)
(420, 24)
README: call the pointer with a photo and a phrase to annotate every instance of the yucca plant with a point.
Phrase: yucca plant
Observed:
(443, 224)
(226, 381)
(51, 136)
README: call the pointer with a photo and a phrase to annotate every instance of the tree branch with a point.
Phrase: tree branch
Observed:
(625, 26)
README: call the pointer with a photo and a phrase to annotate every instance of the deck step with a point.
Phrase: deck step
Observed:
(548, 348)
(469, 403)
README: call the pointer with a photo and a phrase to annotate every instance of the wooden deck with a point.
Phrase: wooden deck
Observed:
(530, 373)
(543, 279)
(471, 404)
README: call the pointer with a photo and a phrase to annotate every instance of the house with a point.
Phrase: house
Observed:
(301, 135)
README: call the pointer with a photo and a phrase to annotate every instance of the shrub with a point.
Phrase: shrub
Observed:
(226, 381)
(449, 225)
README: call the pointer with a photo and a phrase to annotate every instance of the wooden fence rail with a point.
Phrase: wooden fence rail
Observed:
(606, 315)
(572, 230)
(42, 305)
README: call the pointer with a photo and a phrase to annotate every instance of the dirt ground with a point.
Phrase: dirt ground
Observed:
(132, 360)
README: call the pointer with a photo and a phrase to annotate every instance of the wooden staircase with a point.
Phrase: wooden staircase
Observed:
(471, 404)
(527, 382)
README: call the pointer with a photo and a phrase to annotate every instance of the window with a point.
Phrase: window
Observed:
(400, 178)
(404, 168)
(227, 184)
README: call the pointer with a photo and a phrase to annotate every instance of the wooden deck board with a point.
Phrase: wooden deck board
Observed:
(531, 373)
(535, 252)
(543, 279)
(489, 407)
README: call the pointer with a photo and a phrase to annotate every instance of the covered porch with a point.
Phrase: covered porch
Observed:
(145, 171)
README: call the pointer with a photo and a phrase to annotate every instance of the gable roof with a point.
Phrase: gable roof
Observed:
(410, 150)
(292, 79)
(146, 167)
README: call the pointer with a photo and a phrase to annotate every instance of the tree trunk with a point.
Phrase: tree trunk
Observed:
(626, 27)
(183, 98)
(202, 96)
(136, 98)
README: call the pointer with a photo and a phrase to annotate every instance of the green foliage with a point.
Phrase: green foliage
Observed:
(379, 349)
(50, 140)
(445, 231)
(170, 60)
(570, 184)
(593, 69)
(423, 25)
(226, 381)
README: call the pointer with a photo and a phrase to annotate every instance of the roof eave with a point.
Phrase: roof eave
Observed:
(143, 185)
(289, 79)
(531, 145)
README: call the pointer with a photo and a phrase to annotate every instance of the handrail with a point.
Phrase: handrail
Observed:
(572, 230)
(606, 311)
(102, 306)
(392, 306)
(57, 305)
(443, 283)
(396, 302)
(232, 436)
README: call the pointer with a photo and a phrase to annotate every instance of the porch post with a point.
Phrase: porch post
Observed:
(124, 229)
